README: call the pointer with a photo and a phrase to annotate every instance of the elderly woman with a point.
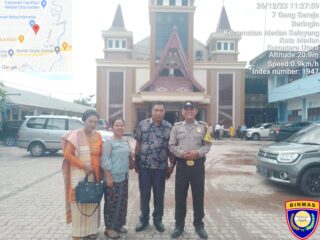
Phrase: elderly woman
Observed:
(82, 151)
(115, 162)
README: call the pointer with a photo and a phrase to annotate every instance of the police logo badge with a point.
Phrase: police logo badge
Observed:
(302, 217)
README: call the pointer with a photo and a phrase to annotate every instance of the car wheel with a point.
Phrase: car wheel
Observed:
(255, 137)
(310, 182)
(10, 141)
(37, 149)
(53, 151)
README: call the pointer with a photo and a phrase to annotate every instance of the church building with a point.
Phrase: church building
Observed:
(171, 66)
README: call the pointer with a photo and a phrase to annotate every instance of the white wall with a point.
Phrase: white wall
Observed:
(294, 104)
(201, 77)
(313, 101)
(142, 76)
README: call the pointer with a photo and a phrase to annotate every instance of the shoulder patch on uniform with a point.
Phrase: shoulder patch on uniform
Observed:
(178, 123)
(203, 123)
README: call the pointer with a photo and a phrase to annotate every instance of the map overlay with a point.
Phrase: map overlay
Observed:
(35, 36)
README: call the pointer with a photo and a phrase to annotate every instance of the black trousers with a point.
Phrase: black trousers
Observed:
(243, 135)
(216, 134)
(155, 179)
(186, 176)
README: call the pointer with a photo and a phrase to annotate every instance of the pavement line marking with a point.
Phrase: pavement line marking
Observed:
(28, 185)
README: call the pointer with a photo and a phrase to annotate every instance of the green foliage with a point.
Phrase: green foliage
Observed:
(2, 91)
(2, 94)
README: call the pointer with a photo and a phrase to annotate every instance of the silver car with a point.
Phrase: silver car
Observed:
(295, 161)
(39, 134)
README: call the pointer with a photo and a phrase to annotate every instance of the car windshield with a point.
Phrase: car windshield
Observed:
(309, 135)
(287, 125)
(258, 126)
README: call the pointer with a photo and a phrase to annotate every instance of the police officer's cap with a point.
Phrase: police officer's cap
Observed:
(188, 104)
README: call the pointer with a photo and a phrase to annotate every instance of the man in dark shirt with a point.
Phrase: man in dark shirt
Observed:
(152, 137)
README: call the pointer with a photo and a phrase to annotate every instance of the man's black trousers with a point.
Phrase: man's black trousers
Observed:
(185, 176)
(155, 179)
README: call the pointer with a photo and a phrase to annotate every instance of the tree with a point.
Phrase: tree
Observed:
(87, 101)
(2, 91)
(2, 95)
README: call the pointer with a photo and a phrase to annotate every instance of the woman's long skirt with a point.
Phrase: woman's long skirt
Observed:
(83, 226)
(116, 204)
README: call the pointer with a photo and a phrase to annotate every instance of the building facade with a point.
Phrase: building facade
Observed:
(257, 108)
(20, 103)
(170, 66)
(294, 90)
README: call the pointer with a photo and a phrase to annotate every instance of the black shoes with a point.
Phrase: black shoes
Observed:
(202, 233)
(159, 226)
(177, 232)
(141, 226)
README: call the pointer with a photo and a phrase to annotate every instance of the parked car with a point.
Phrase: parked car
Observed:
(39, 134)
(259, 131)
(295, 161)
(103, 124)
(285, 130)
(105, 134)
(8, 132)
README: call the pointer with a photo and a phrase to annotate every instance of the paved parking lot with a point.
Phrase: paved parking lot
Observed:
(238, 203)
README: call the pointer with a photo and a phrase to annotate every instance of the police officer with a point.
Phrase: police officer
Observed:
(190, 140)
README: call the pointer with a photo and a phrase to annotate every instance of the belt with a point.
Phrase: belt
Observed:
(191, 163)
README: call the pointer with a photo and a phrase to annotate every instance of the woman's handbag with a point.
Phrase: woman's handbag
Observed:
(89, 192)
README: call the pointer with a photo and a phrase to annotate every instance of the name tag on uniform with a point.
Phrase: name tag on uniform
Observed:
(199, 130)
(190, 163)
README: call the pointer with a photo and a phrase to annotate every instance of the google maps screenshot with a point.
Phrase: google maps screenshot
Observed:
(159, 119)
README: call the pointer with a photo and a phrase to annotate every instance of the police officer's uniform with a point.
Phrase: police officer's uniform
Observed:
(187, 137)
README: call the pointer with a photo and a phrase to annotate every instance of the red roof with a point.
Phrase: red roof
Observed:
(173, 72)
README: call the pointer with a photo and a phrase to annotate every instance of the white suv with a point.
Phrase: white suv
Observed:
(39, 134)
(259, 131)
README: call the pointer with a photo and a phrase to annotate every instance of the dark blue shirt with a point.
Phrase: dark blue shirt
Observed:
(154, 140)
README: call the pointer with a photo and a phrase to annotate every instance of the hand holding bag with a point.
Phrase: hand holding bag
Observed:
(89, 192)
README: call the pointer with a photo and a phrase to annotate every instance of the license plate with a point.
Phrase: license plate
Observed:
(264, 171)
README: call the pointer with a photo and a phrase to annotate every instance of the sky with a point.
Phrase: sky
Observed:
(89, 18)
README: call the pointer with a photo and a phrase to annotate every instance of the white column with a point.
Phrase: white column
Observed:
(19, 114)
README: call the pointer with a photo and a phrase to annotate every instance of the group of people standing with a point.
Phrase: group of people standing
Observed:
(159, 148)
(218, 131)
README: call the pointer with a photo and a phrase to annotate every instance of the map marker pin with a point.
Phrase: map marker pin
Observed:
(31, 23)
(57, 49)
(10, 52)
(35, 28)
(65, 45)
(43, 3)
(21, 38)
